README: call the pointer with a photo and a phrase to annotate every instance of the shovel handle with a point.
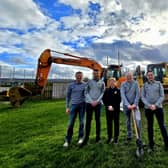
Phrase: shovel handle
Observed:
(135, 125)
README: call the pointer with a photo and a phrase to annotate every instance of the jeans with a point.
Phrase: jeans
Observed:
(160, 119)
(75, 109)
(89, 113)
(128, 122)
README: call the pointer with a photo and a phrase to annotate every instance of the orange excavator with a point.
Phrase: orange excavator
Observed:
(46, 59)
(17, 95)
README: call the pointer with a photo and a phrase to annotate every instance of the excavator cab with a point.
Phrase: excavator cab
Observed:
(112, 71)
(161, 74)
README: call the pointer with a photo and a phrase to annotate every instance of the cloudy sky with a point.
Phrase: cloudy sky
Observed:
(137, 29)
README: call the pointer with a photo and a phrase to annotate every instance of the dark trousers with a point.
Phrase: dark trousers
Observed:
(89, 113)
(112, 119)
(160, 119)
(76, 109)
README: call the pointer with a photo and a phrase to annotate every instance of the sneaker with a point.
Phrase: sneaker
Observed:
(66, 144)
(80, 141)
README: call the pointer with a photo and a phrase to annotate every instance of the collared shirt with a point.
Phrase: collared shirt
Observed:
(152, 93)
(75, 93)
(130, 93)
(94, 91)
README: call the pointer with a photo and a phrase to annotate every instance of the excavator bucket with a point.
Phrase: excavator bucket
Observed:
(17, 95)
(4, 95)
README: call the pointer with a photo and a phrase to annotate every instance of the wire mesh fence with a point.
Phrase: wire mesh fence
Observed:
(10, 77)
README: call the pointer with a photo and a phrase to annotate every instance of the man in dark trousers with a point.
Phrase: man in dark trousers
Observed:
(93, 96)
(111, 100)
(152, 96)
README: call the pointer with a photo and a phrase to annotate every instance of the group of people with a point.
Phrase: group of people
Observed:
(87, 98)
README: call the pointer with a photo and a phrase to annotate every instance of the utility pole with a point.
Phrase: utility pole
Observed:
(13, 73)
(107, 60)
(0, 71)
(24, 73)
(118, 58)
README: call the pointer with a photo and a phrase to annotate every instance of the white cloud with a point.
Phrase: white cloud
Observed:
(152, 30)
(144, 6)
(21, 15)
(142, 21)
(9, 38)
(136, 21)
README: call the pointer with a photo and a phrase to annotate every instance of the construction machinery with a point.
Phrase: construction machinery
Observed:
(46, 59)
(160, 71)
(4, 95)
(17, 95)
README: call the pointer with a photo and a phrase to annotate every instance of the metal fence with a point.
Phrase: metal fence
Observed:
(12, 72)
(11, 76)
(55, 89)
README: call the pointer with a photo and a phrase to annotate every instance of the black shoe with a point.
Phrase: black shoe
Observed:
(115, 140)
(166, 146)
(97, 140)
(150, 149)
(84, 143)
(128, 140)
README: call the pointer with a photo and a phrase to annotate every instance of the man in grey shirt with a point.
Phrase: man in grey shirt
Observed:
(130, 95)
(75, 104)
(152, 96)
(93, 94)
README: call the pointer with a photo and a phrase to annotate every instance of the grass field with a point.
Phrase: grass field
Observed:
(32, 137)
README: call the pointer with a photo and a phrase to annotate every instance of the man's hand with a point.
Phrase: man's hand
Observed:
(110, 108)
(67, 110)
(132, 107)
(94, 103)
(152, 107)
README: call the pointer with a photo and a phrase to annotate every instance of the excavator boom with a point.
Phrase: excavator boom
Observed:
(46, 59)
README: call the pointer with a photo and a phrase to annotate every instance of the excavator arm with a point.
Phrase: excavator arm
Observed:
(46, 59)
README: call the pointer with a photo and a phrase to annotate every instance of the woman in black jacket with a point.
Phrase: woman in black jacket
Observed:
(111, 100)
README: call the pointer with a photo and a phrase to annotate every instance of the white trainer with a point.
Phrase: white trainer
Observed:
(80, 141)
(66, 144)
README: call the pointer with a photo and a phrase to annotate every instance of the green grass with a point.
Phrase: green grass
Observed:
(32, 137)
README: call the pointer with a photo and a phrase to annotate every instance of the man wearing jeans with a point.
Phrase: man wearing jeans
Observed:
(152, 96)
(93, 95)
(75, 96)
(130, 95)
